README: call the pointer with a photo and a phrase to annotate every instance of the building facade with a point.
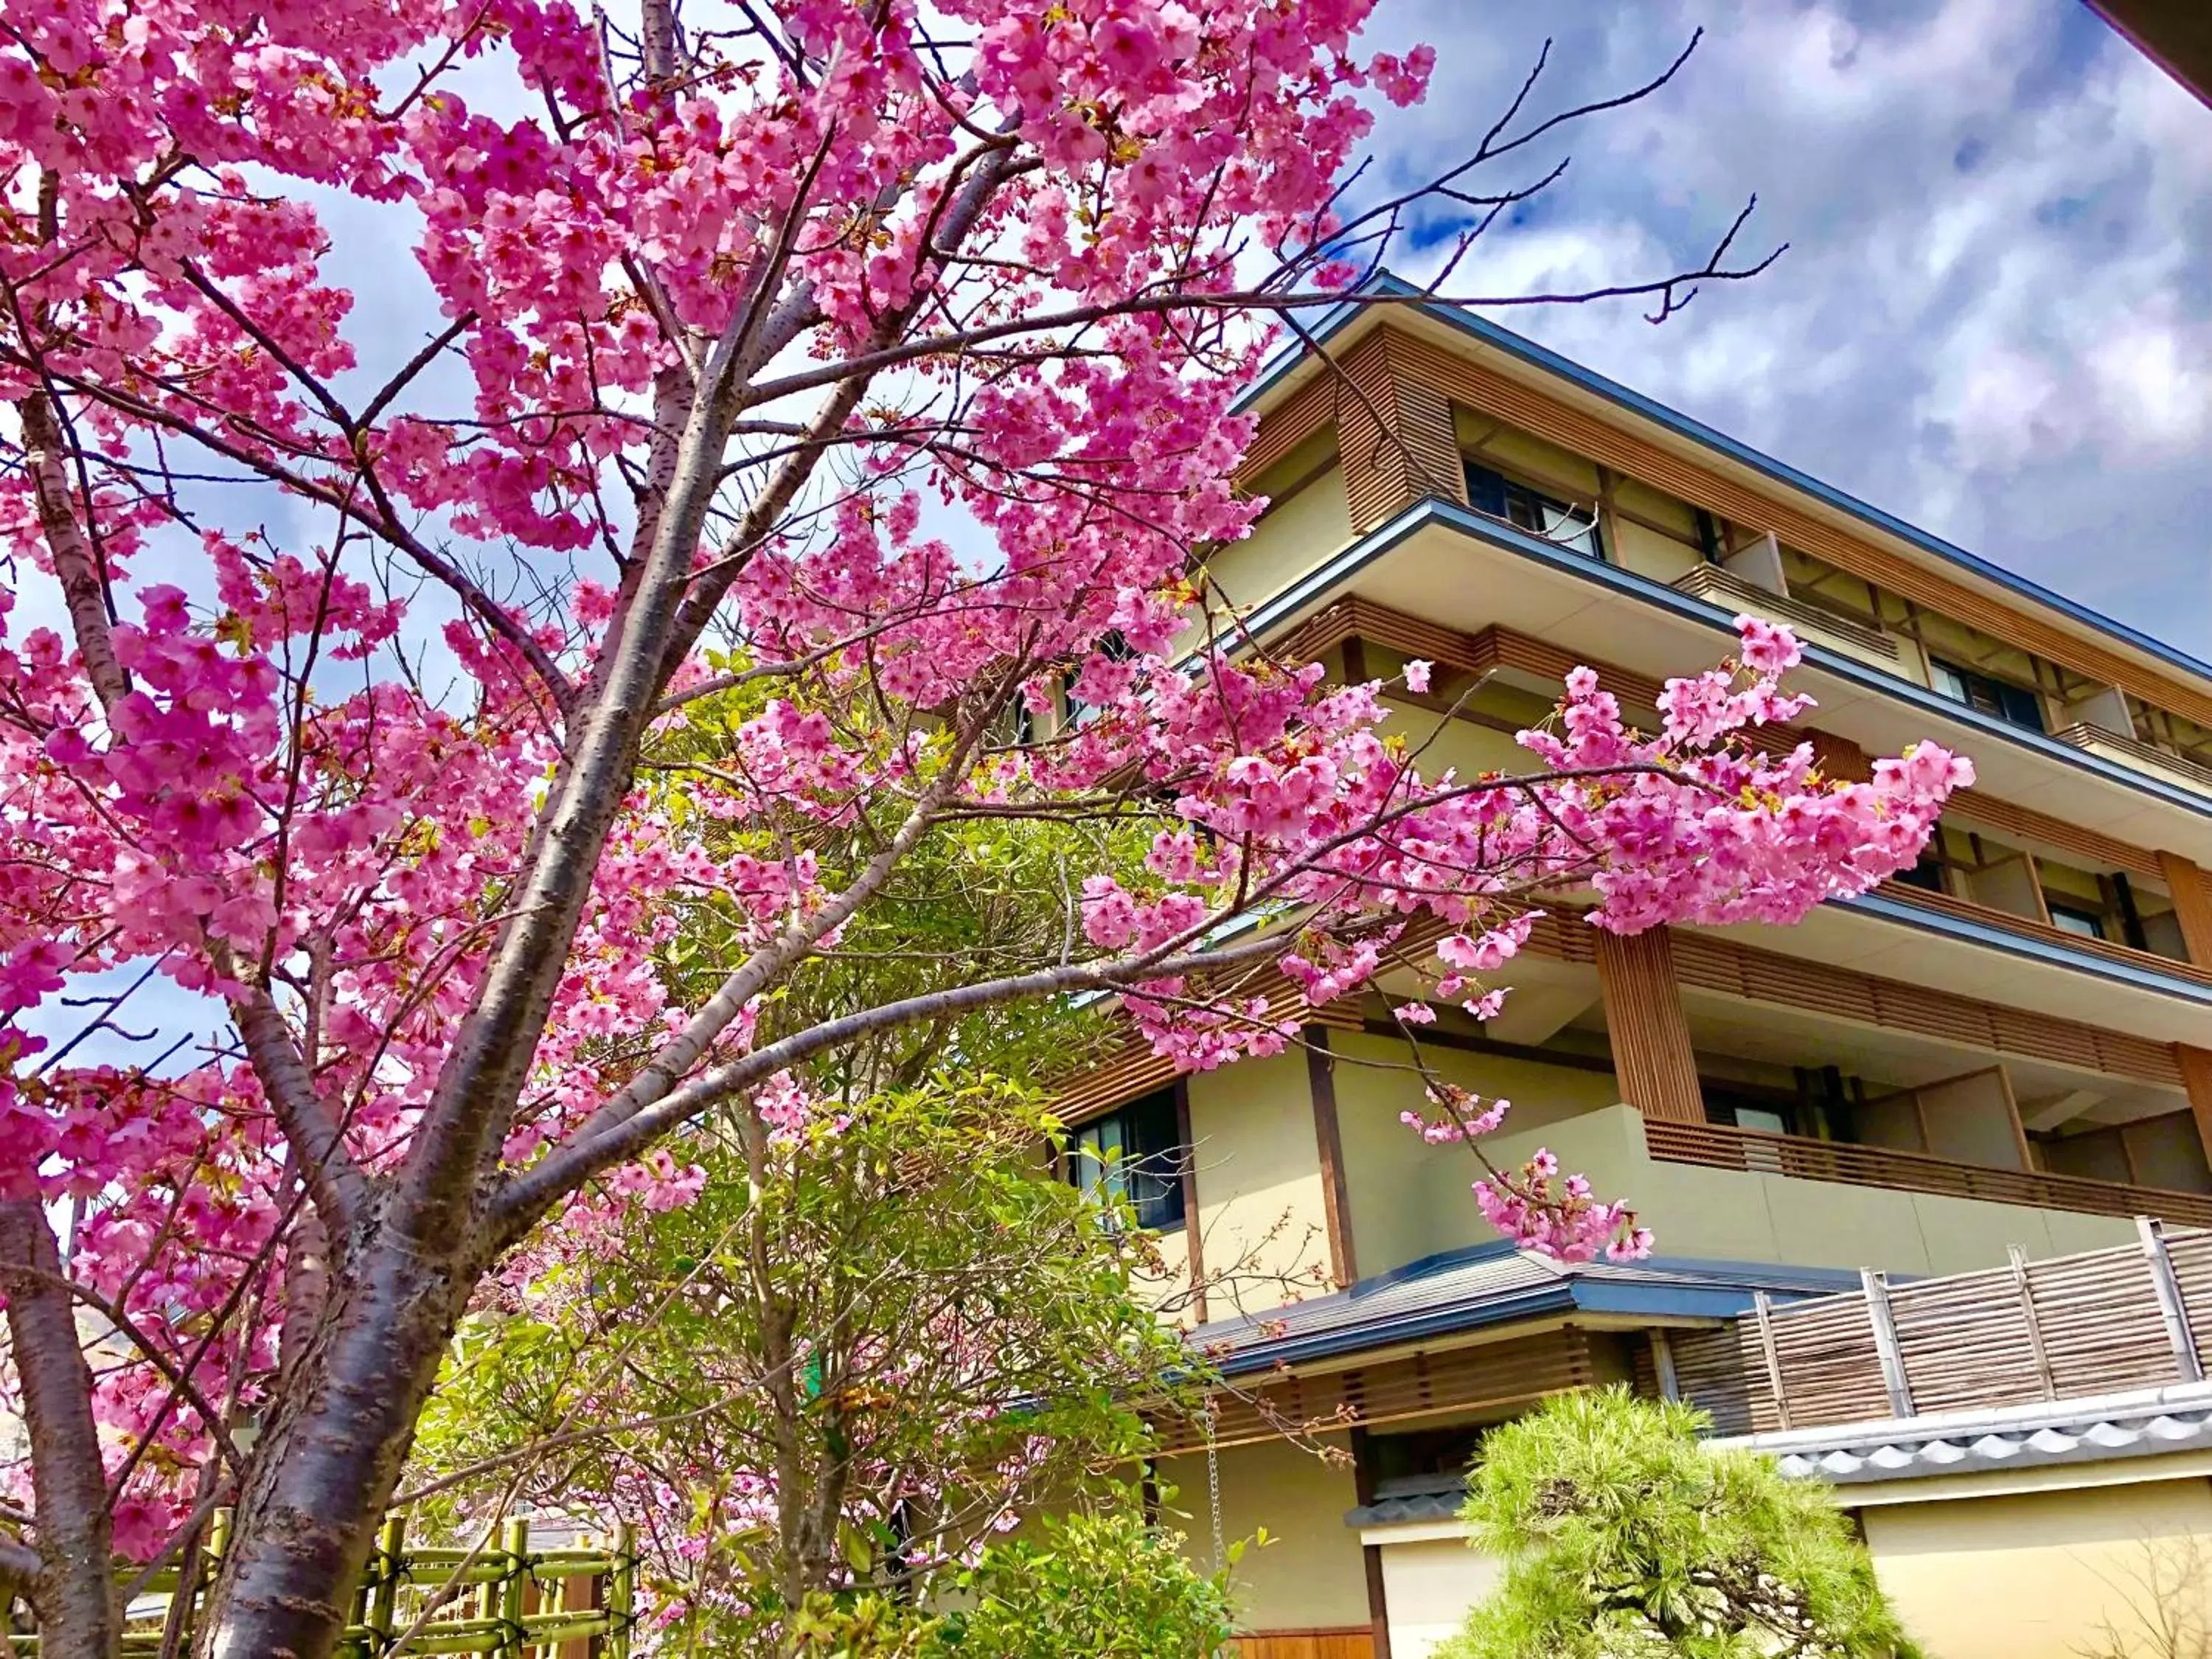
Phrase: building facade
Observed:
(2008, 1049)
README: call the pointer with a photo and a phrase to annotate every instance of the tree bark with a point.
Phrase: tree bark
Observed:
(74, 1591)
(325, 1469)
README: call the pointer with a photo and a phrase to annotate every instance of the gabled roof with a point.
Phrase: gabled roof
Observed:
(1488, 1285)
(1338, 319)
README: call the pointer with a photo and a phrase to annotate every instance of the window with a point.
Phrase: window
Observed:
(2073, 919)
(1533, 511)
(1927, 874)
(1132, 1154)
(1114, 648)
(2016, 705)
(1744, 1109)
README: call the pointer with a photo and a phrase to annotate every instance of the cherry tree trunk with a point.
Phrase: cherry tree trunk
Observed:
(327, 1467)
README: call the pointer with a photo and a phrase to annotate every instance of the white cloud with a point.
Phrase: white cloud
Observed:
(1996, 316)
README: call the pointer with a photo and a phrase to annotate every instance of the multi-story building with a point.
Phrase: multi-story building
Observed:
(2008, 1049)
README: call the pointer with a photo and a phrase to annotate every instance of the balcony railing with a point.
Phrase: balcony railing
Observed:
(2136, 751)
(1756, 1152)
(1731, 592)
(2034, 928)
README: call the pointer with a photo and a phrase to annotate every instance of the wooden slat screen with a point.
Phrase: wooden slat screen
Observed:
(1492, 1375)
(1724, 588)
(1309, 410)
(1720, 1146)
(2192, 903)
(1644, 1020)
(1374, 476)
(1961, 1340)
(1482, 388)
(1967, 1342)
(1741, 971)
(2083, 736)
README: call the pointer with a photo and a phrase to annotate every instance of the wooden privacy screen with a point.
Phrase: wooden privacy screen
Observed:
(1644, 1021)
(2070, 1327)
(1493, 1376)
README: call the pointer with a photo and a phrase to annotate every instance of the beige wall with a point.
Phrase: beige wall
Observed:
(1642, 549)
(2034, 1576)
(1409, 1200)
(1291, 538)
(1311, 1576)
(1258, 1167)
(1730, 1215)
(1428, 1585)
(1437, 743)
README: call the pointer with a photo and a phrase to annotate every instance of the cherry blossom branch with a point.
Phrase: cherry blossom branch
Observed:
(83, 587)
(341, 1191)
(714, 1016)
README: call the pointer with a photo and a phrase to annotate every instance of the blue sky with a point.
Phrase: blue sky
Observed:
(1996, 316)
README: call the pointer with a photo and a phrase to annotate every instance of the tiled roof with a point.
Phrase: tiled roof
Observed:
(1443, 1505)
(2142, 1423)
(1493, 1284)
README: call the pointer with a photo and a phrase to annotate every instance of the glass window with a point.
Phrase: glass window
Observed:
(2016, 705)
(1131, 1154)
(2072, 919)
(1927, 874)
(1748, 1109)
(1531, 510)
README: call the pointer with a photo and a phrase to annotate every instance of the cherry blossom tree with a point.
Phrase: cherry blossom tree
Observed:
(344, 679)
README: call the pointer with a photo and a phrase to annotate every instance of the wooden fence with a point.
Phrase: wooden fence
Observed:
(501, 1597)
(2071, 1326)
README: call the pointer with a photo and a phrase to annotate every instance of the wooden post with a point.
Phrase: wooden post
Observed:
(1194, 1235)
(1370, 1555)
(2192, 905)
(1328, 1143)
(1609, 516)
(1662, 1364)
(2172, 1310)
(1650, 1039)
(1877, 1288)
(1762, 1310)
(2036, 1347)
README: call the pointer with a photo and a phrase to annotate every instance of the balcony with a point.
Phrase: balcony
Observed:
(2135, 752)
(1813, 622)
(1757, 1152)
(2033, 927)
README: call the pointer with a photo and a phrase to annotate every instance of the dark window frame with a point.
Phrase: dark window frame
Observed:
(2016, 705)
(1133, 1152)
(1496, 496)
(2097, 920)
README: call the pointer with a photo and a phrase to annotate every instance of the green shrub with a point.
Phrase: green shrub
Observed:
(1625, 1537)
